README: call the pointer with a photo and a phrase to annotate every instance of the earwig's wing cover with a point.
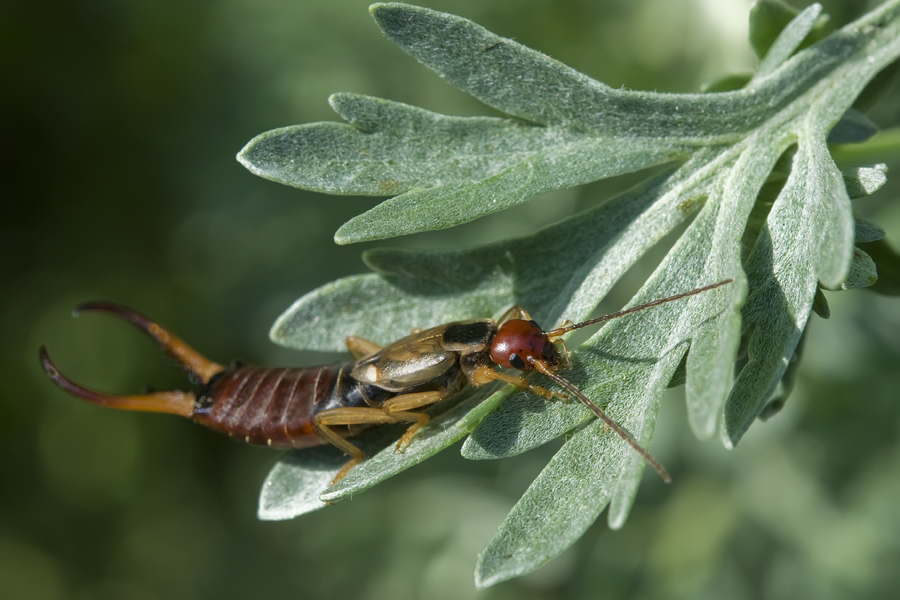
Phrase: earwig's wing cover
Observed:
(760, 151)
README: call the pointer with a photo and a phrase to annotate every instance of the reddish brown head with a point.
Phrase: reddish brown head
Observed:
(518, 343)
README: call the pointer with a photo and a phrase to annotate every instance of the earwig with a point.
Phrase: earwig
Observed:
(301, 407)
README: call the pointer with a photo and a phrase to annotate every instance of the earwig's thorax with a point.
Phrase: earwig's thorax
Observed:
(519, 342)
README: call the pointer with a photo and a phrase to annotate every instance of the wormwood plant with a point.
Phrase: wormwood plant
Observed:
(751, 167)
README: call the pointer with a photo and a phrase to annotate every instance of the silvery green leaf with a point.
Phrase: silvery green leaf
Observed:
(768, 18)
(294, 484)
(786, 385)
(865, 181)
(863, 272)
(820, 304)
(812, 216)
(449, 170)
(788, 40)
(853, 128)
(726, 83)
(751, 167)
(557, 508)
(425, 289)
(865, 231)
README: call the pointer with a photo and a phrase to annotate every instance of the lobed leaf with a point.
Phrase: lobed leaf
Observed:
(863, 272)
(770, 210)
(788, 40)
(449, 170)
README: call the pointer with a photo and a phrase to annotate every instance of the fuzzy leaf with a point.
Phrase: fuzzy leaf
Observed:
(865, 181)
(294, 484)
(863, 272)
(757, 154)
(853, 128)
(449, 170)
(767, 20)
(788, 40)
(865, 232)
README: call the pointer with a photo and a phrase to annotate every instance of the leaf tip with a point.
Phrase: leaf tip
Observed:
(383, 11)
(485, 577)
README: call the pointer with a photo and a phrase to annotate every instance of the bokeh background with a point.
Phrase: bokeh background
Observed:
(120, 122)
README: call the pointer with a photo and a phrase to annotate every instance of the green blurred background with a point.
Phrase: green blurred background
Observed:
(120, 125)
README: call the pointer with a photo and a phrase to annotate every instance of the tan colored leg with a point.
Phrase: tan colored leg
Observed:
(483, 375)
(361, 347)
(411, 401)
(400, 405)
(348, 416)
(516, 312)
(564, 351)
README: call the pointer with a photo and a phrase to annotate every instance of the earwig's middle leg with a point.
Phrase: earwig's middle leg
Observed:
(348, 416)
(399, 407)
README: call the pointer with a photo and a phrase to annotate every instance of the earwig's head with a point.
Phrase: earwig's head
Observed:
(518, 343)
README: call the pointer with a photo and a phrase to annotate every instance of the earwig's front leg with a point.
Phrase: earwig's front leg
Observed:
(516, 312)
(482, 375)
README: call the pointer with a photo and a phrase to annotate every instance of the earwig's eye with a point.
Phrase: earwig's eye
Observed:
(516, 362)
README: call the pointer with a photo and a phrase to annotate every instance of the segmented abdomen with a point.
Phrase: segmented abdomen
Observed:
(277, 407)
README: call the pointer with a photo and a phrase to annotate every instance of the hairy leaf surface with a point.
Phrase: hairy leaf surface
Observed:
(756, 155)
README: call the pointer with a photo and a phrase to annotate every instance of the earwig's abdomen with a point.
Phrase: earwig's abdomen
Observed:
(276, 407)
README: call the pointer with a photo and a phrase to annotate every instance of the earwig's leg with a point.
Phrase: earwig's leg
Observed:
(398, 405)
(361, 347)
(189, 358)
(565, 352)
(516, 312)
(348, 416)
(175, 402)
(483, 375)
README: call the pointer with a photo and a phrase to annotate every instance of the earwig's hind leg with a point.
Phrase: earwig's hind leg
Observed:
(189, 358)
(483, 375)
(516, 312)
(399, 406)
(348, 416)
(174, 402)
(361, 347)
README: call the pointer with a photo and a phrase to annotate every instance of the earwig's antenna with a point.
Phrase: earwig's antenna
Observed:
(560, 331)
(545, 369)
